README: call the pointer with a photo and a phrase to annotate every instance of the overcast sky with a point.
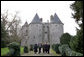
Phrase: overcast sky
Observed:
(28, 9)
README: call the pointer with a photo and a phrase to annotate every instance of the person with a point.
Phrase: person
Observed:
(48, 48)
(35, 48)
(43, 48)
(39, 46)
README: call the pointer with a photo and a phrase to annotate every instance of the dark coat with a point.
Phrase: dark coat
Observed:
(48, 46)
(35, 48)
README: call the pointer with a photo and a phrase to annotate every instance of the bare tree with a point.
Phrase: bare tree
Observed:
(11, 26)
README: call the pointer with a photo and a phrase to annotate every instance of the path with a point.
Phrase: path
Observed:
(31, 53)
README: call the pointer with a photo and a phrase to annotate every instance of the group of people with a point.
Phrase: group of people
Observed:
(45, 47)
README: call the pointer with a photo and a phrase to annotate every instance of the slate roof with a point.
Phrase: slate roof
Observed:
(56, 19)
(26, 24)
(36, 19)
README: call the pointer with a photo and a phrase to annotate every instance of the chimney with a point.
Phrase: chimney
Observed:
(41, 19)
(51, 17)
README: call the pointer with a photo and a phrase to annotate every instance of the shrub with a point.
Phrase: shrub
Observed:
(62, 49)
(65, 38)
(79, 54)
(73, 53)
(31, 47)
(74, 43)
(55, 47)
(25, 49)
(66, 51)
(14, 49)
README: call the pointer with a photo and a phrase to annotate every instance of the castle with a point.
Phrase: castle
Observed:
(39, 32)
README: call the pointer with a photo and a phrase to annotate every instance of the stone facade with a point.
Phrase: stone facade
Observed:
(38, 32)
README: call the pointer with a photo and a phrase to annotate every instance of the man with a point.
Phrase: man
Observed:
(43, 48)
(48, 48)
(39, 45)
(35, 48)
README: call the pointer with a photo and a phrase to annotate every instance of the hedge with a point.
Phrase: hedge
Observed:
(55, 47)
(25, 49)
(31, 47)
(66, 51)
(14, 49)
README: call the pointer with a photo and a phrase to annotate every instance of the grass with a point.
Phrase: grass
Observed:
(54, 53)
(31, 53)
(21, 50)
(5, 51)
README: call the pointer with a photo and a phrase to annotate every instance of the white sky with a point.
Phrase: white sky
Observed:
(28, 9)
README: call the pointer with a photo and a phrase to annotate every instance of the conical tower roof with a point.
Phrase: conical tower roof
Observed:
(26, 24)
(56, 19)
(36, 19)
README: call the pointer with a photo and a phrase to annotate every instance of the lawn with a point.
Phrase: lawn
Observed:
(31, 53)
(54, 53)
(21, 50)
(4, 51)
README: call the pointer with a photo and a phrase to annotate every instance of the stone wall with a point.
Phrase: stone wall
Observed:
(56, 30)
(42, 33)
(35, 33)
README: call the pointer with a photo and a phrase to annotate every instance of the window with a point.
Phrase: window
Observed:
(45, 32)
